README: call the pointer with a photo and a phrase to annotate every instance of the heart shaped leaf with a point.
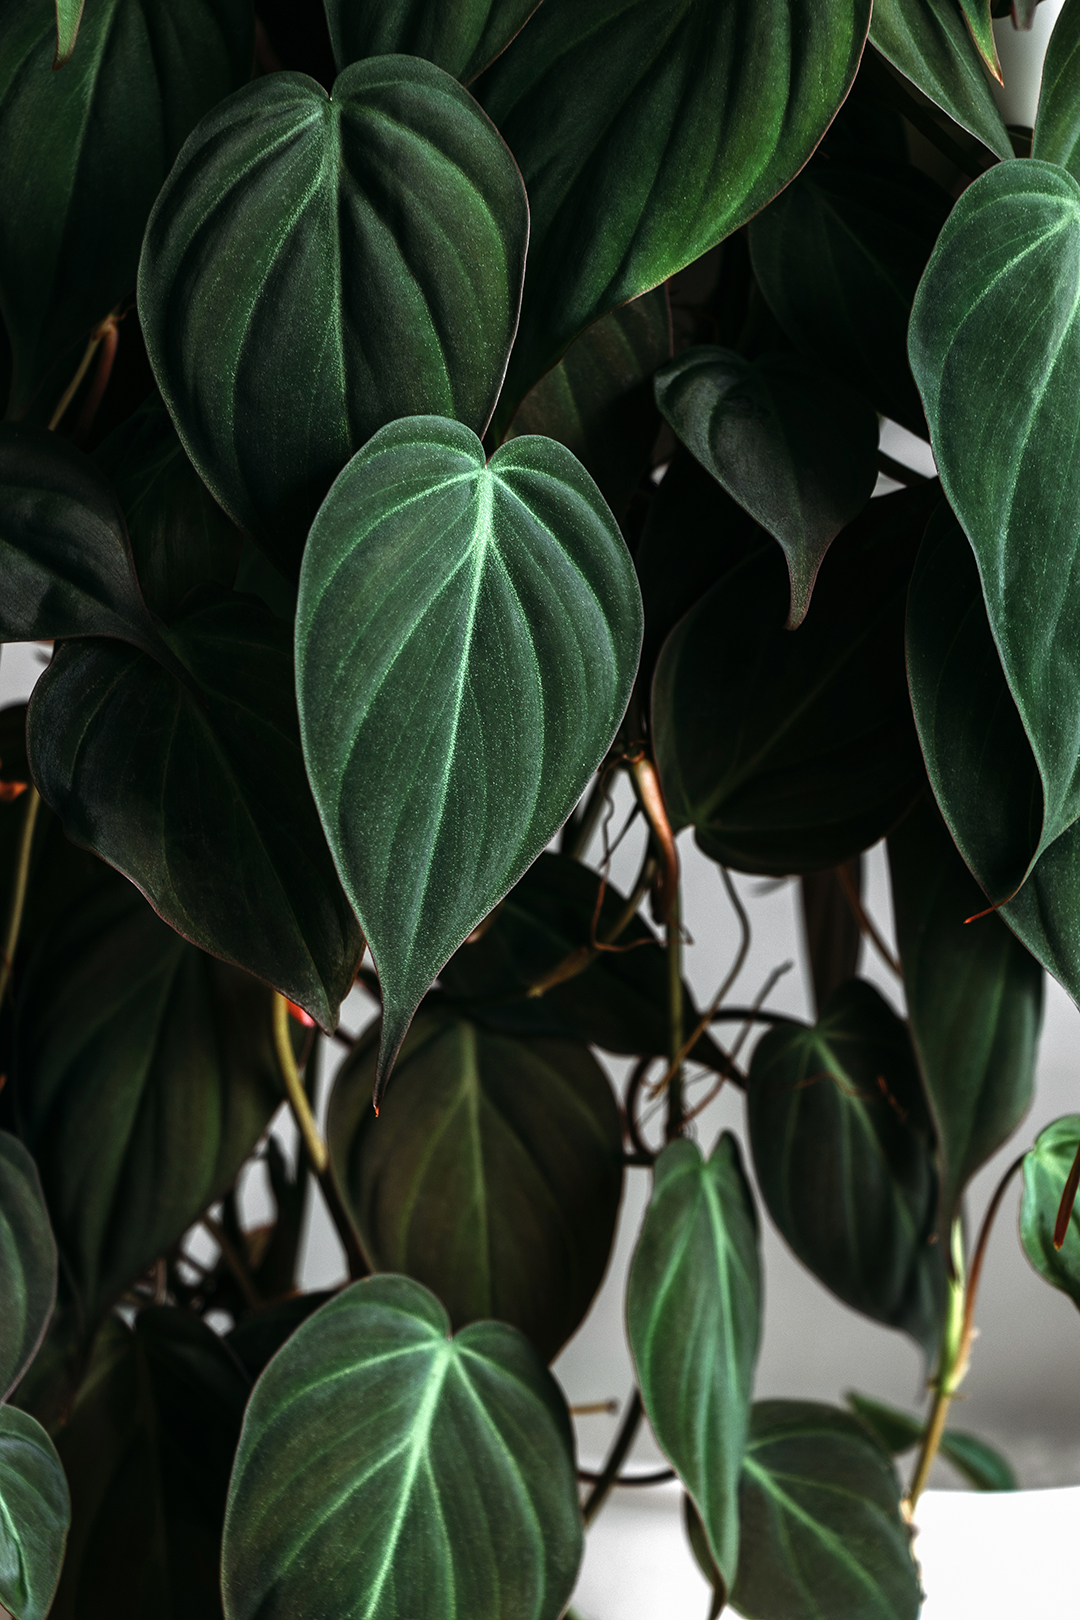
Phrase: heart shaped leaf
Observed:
(693, 1312)
(378, 1455)
(794, 446)
(982, 1466)
(1046, 1171)
(647, 132)
(928, 42)
(466, 642)
(492, 1174)
(463, 38)
(35, 1511)
(27, 1263)
(383, 226)
(211, 815)
(1057, 123)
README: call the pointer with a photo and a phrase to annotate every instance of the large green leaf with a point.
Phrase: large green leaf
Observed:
(380, 1457)
(144, 1076)
(378, 234)
(27, 1262)
(83, 154)
(838, 257)
(466, 641)
(791, 753)
(693, 1311)
(843, 1156)
(982, 1466)
(822, 1532)
(995, 344)
(492, 1174)
(462, 38)
(792, 444)
(647, 131)
(35, 1511)
(974, 998)
(1046, 1171)
(199, 796)
(929, 43)
(1057, 123)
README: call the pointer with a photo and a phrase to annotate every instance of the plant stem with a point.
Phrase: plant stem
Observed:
(951, 1369)
(616, 1457)
(21, 877)
(674, 1077)
(576, 834)
(110, 338)
(294, 1089)
(864, 920)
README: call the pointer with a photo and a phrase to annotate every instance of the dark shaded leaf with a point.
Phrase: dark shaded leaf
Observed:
(27, 1264)
(462, 38)
(35, 1511)
(831, 929)
(928, 42)
(982, 1466)
(1046, 1171)
(261, 1334)
(1057, 122)
(68, 17)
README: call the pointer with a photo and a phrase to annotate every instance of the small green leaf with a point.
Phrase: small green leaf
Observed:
(383, 227)
(1046, 1171)
(794, 446)
(379, 1456)
(928, 42)
(897, 1431)
(27, 1263)
(68, 17)
(462, 38)
(1057, 122)
(981, 27)
(35, 1512)
(822, 1531)
(982, 1466)
(493, 1172)
(693, 1312)
(466, 641)
(843, 1156)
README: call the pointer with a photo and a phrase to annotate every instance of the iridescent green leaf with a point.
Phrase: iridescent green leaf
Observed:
(1057, 122)
(930, 44)
(35, 1512)
(27, 1263)
(462, 37)
(1046, 1171)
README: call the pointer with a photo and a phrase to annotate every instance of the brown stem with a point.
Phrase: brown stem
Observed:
(110, 339)
(233, 1261)
(616, 1457)
(1068, 1199)
(864, 920)
(633, 1129)
(967, 1334)
(660, 1477)
(20, 879)
(651, 796)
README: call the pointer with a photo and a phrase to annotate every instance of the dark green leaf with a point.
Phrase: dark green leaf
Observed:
(1057, 123)
(378, 1455)
(980, 25)
(492, 1174)
(838, 257)
(693, 1312)
(466, 642)
(830, 928)
(462, 38)
(83, 154)
(897, 1431)
(790, 443)
(983, 1467)
(974, 998)
(822, 1532)
(647, 132)
(68, 17)
(27, 1263)
(200, 796)
(378, 234)
(1046, 1170)
(844, 1160)
(35, 1511)
(262, 1333)
(145, 1074)
(791, 753)
(928, 42)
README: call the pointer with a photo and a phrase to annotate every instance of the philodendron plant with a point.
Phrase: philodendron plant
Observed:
(430, 426)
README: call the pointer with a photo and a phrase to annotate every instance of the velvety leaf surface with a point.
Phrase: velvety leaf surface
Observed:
(647, 132)
(462, 38)
(794, 446)
(844, 1160)
(27, 1262)
(693, 1313)
(492, 1173)
(35, 1511)
(929, 43)
(434, 1475)
(982, 1466)
(1046, 1170)
(703, 1558)
(980, 25)
(974, 999)
(822, 1532)
(83, 154)
(793, 752)
(830, 928)
(466, 640)
(145, 1075)
(378, 232)
(199, 796)
(68, 17)
(1057, 123)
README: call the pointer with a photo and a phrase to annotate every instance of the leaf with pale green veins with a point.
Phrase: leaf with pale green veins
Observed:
(467, 635)
(463, 38)
(693, 1313)
(35, 1511)
(1057, 123)
(979, 1463)
(1046, 1170)
(318, 265)
(492, 1174)
(68, 17)
(791, 444)
(379, 1456)
(930, 44)
(27, 1262)
(647, 131)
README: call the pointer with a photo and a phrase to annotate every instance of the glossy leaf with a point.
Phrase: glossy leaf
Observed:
(693, 1312)
(383, 228)
(27, 1263)
(822, 1531)
(974, 998)
(35, 1511)
(466, 640)
(1057, 122)
(929, 43)
(434, 1475)
(199, 796)
(648, 132)
(793, 446)
(462, 38)
(492, 1174)
(1046, 1171)
(792, 753)
(979, 1463)
(98, 139)
(830, 928)
(145, 1075)
(68, 17)
(843, 1157)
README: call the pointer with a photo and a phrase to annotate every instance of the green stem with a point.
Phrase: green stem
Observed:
(616, 1457)
(952, 1365)
(18, 889)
